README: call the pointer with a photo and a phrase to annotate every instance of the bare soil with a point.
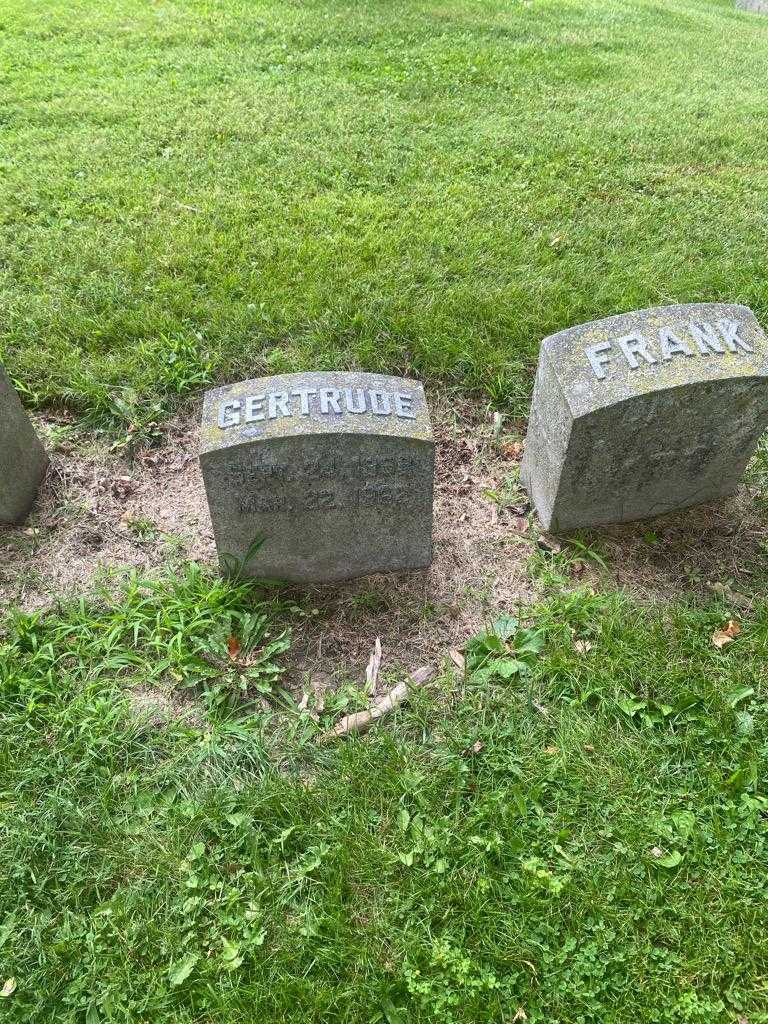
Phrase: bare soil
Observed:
(97, 510)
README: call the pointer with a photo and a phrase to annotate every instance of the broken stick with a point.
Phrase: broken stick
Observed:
(361, 721)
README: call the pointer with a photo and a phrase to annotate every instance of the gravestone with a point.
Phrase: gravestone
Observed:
(758, 6)
(644, 413)
(332, 471)
(22, 457)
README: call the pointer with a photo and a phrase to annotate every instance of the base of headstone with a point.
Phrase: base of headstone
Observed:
(23, 460)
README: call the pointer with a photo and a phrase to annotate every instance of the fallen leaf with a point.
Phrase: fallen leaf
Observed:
(458, 659)
(8, 988)
(372, 669)
(551, 750)
(233, 648)
(520, 1015)
(513, 450)
(519, 524)
(589, 748)
(582, 646)
(724, 636)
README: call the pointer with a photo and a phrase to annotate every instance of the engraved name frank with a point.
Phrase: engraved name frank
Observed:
(645, 413)
(310, 401)
(651, 348)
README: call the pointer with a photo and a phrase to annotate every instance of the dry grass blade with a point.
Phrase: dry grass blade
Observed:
(360, 722)
(372, 669)
(458, 660)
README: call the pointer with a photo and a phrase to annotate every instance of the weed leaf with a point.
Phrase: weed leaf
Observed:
(179, 974)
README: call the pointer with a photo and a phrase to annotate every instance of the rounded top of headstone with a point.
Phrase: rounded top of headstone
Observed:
(607, 361)
(305, 404)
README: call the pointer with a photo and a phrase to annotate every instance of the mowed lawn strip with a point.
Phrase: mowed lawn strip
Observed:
(199, 191)
(585, 843)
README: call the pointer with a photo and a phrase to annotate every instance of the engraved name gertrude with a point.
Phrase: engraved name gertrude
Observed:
(698, 339)
(311, 401)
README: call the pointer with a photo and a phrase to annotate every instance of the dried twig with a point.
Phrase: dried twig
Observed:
(361, 721)
(458, 660)
(372, 669)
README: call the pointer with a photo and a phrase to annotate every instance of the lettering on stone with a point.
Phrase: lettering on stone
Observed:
(332, 471)
(645, 413)
(692, 339)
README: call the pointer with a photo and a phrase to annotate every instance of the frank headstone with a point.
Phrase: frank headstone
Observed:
(22, 457)
(644, 413)
(333, 472)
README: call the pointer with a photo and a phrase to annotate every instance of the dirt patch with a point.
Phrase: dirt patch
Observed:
(98, 511)
(695, 551)
(157, 707)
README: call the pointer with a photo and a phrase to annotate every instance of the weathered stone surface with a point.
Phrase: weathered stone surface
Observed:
(22, 457)
(644, 413)
(758, 6)
(334, 470)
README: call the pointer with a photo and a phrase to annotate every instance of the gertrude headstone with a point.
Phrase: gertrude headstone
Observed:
(22, 457)
(333, 471)
(644, 413)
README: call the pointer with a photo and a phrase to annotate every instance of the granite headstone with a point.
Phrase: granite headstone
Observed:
(644, 413)
(331, 472)
(22, 457)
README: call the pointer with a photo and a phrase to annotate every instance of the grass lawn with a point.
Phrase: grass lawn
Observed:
(201, 191)
(475, 859)
(209, 190)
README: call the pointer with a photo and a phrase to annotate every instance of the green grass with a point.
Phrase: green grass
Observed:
(200, 191)
(204, 190)
(607, 862)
